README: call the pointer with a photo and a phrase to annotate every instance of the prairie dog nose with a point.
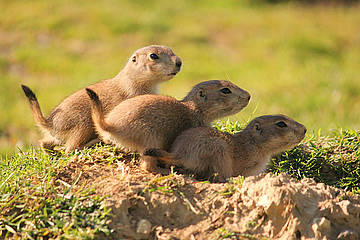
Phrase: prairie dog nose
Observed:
(301, 129)
(178, 62)
(245, 95)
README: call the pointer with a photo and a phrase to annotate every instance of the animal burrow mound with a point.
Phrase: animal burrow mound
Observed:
(145, 206)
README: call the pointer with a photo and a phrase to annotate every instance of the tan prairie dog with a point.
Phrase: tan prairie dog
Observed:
(208, 152)
(70, 122)
(154, 121)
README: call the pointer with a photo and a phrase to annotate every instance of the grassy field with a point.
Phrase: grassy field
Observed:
(303, 61)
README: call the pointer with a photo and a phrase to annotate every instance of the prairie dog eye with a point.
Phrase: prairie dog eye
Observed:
(133, 59)
(225, 91)
(281, 124)
(154, 56)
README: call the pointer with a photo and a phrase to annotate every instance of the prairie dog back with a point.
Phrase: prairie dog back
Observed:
(147, 120)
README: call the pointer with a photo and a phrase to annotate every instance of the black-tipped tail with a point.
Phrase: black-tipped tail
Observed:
(161, 155)
(35, 108)
(153, 152)
(93, 95)
(29, 94)
(97, 113)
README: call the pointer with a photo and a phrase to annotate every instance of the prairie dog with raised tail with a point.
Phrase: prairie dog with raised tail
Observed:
(153, 121)
(70, 122)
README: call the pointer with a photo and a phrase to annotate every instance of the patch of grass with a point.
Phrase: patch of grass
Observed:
(104, 154)
(234, 184)
(44, 211)
(333, 160)
(36, 204)
(251, 224)
(165, 184)
(169, 185)
(222, 233)
(229, 126)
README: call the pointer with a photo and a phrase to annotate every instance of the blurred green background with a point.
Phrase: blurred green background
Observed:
(302, 60)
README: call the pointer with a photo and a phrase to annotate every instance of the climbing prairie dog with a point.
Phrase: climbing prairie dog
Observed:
(70, 122)
(154, 121)
(209, 152)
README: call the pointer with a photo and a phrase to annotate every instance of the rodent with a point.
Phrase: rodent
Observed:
(154, 121)
(208, 152)
(70, 122)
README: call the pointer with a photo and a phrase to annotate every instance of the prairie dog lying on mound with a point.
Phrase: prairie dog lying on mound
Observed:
(70, 122)
(206, 151)
(153, 121)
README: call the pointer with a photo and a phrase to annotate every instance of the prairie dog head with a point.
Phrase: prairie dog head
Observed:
(276, 133)
(153, 63)
(218, 98)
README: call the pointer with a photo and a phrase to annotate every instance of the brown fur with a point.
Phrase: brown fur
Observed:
(70, 122)
(209, 152)
(153, 121)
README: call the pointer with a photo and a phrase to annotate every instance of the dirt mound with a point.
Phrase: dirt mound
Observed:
(147, 206)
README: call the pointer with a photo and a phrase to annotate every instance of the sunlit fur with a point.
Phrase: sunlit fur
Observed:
(70, 122)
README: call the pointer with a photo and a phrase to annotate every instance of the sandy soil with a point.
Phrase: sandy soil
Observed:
(148, 206)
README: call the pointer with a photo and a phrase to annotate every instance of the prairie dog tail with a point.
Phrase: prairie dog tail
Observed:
(161, 155)
(97, 111)
(35, 108)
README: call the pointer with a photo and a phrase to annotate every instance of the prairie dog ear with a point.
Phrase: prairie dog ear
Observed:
(134, 58)
(201, 94)
(257, 128)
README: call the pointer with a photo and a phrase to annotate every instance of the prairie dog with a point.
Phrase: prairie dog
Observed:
(153, 121)
(70, 122)
(206, 151)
